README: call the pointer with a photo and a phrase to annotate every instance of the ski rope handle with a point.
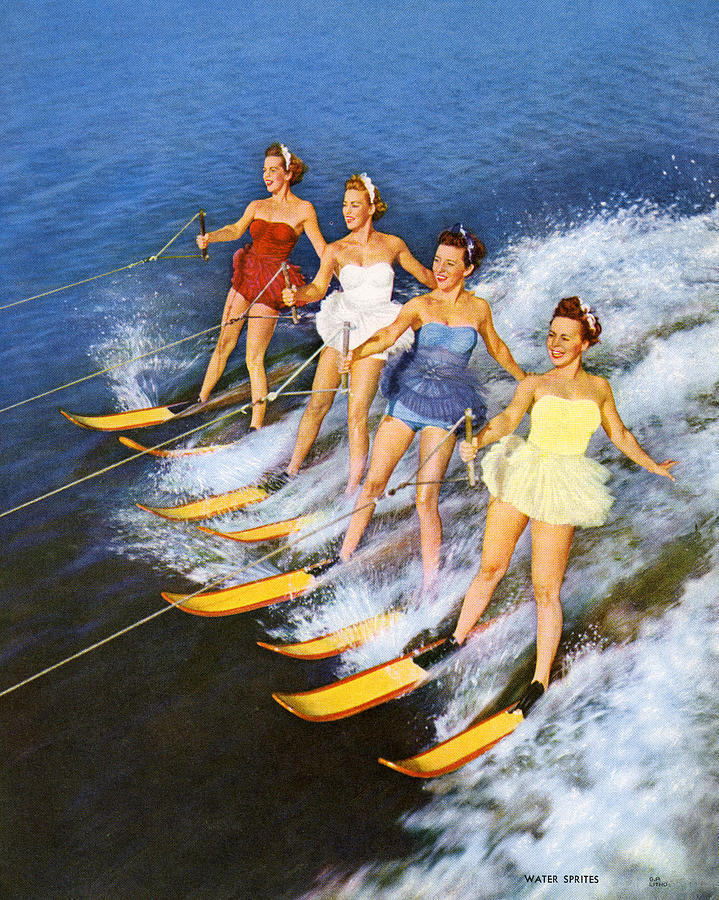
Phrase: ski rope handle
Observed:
(471, 474)
(295, 317)
(345, 350)
(205, 254)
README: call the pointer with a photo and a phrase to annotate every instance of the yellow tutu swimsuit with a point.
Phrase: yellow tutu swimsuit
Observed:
(548, 477)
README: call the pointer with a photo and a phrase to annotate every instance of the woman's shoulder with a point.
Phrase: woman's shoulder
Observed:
(599, 386)
(304, 207)
(537, 381)
(480, 303)
(392, 241)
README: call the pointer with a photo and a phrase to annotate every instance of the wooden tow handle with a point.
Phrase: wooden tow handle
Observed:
(471, 474)
(295, 317)
(202, 231)
(345, 349)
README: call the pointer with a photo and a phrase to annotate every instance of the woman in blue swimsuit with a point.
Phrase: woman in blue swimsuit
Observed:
(429, 387)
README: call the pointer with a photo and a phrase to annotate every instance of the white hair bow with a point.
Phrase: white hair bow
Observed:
(287, 156)
(589, 315)
(367, 182)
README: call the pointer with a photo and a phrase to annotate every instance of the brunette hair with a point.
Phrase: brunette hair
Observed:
(296, 166)
(573, 308)
(454, 238)
(355, 183)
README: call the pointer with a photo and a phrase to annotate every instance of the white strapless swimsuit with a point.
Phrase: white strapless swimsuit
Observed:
(365, 301)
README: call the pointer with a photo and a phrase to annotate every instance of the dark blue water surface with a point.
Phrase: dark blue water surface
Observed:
(580, 141)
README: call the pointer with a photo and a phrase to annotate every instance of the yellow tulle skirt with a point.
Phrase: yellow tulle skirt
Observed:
(548, 487)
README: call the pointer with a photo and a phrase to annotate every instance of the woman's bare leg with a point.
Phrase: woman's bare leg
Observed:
(325, 383)
(504, 526)
(235, 306)
(364, 380)
(550, 553)
(261, 324)
(435, 452)
(390, 444)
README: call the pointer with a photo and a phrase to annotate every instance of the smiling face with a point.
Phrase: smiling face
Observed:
(564, 341)
(274, 174)
(356, 208)
(448, 266)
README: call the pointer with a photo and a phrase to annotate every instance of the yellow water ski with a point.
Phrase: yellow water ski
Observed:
(246, 597)
(168, 454)
(460, 749)
(262, 532)
(155, 415)
(336, 641)
(355, 693)
(360, 691)
(210, 506)
(133, 418)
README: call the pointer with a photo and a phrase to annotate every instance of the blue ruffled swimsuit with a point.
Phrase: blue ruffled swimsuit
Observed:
(430, 385)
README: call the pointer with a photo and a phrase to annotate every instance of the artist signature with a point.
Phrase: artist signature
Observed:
(656, 881)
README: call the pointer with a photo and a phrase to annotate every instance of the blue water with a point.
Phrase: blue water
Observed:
(581, 143)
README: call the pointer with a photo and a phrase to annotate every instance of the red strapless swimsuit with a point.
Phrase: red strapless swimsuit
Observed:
(256, 263)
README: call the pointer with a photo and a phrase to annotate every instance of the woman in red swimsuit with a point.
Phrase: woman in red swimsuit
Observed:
(275, 224)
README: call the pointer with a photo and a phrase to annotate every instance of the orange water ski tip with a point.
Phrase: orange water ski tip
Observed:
(357, 692)
(133, 418)
(261, 532)
(460, 749)
(168, 454)
(251, 595)
(370, 687)
(336, 642)
(210, 506)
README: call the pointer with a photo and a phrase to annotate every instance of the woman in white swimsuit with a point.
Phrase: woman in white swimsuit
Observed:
(363, 261)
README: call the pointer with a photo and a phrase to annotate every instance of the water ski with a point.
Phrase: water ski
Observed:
(251, 595)
(262, 532)
(156, 415)
(357, 692)
(459, 749)
(133, 418)
(210, 506)
(365, 689)
(336, 642)
(168, 454)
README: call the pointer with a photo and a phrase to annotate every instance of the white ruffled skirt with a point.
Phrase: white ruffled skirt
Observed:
(365, 320)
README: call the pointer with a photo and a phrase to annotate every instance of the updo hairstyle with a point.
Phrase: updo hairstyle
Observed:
(355, 183)
(454, 238)
(296, 166)
(573, 308)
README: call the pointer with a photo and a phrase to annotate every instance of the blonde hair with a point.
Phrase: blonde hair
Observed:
(356, 183)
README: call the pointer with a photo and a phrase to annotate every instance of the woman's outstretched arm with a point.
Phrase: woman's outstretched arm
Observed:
(415, 268)
(317, 288)
(624, 440)
(504, 423)
(496, 347)
(384, 338)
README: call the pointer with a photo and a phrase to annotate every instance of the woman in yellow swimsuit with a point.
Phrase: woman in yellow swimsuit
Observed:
(545, 480)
